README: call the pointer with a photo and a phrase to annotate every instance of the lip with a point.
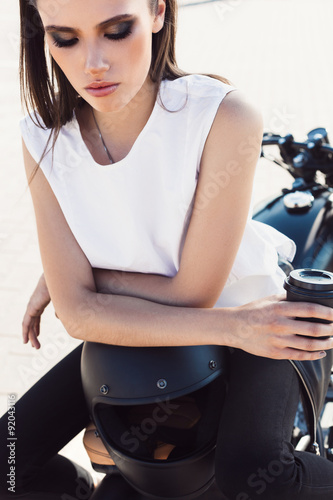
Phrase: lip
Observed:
(101, 89)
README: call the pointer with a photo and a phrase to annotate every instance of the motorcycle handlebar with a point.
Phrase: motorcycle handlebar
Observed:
(326, 148)
(303, 159)
(275, 139)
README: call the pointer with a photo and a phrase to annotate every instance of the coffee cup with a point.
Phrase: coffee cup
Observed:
(310, 285)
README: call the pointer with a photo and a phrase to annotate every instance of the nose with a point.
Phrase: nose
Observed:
(96, 62)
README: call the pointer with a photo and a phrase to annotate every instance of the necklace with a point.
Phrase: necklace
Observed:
(101, 137)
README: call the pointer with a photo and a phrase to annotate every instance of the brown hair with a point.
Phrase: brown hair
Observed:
(46, 89)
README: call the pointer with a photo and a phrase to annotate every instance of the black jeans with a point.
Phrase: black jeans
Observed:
(47, 417)
(255, 460)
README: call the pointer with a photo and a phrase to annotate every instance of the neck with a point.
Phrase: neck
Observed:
(119, 129)
(129, 121)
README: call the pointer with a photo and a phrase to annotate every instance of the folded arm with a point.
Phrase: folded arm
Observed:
(212, 241)
(140, 316)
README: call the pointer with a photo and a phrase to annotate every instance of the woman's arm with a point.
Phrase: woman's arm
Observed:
(258, 324)
(87, 314)
(39, 300)
(198, 282)
(132, 321)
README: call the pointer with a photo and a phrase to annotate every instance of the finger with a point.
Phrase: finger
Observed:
(309, 310)
(299, 355)
(34, 340)
(308, 328)
(309, 344)
(36, 344)
(27, 323)
(25, 335)
(36, 330)
(25, 328)
(31, 331)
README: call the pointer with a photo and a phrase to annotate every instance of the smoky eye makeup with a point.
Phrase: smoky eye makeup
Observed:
(58, 41)
(120, 31)
(116, 32)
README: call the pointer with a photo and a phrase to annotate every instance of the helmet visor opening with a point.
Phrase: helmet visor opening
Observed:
(169, 430)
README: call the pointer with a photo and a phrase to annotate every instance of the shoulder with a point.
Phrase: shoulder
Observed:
(193, 91)
(33, 128)
(33, 122)
(237, 111)
(34, 134)
(211, 96)
(238, 119)
(234, 140)
(39, 140)
(197, 85)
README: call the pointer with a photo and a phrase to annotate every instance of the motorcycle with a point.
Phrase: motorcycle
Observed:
(304, 213)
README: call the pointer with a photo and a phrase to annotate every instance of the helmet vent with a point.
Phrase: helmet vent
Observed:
(162, 383)
(104, 389)
(212, 365)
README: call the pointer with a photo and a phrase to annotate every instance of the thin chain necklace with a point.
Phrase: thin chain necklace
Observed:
(101, 137)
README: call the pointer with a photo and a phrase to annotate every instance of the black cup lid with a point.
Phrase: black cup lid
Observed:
(312, 279)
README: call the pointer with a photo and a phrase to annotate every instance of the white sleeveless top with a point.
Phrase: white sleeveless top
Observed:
(133, 215)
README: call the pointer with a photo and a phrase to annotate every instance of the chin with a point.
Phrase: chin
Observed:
(110, 104)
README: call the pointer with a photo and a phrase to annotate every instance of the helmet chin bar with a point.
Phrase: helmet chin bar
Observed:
(157, 412)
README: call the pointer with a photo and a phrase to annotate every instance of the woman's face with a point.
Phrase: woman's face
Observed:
(102, 46)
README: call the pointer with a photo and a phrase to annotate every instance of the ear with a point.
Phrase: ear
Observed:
(159, 16)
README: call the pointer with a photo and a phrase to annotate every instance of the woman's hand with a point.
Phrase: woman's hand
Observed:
(269, 328)
(31, 321)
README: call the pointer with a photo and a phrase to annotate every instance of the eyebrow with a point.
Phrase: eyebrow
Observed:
(104, 24)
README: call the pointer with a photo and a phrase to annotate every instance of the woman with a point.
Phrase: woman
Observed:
(143, 244)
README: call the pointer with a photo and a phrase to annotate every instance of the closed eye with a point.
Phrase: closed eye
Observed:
(124, 30)
(61, 42)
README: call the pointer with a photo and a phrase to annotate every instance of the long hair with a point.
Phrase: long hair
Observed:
(46, 89)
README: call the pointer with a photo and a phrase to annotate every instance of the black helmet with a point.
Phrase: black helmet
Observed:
(157, 411)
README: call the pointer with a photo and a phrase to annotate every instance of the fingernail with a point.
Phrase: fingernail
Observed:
(322, 354)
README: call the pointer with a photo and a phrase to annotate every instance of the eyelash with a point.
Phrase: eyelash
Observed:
(114, 37)
(119, 36)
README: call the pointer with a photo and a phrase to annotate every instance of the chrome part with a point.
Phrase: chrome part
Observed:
(315, 448)
(298, 200)
(104, 389)
(312, 404)
(304, 443)
(162, 383)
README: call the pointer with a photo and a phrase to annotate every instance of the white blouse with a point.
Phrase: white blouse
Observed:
(133, 215)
